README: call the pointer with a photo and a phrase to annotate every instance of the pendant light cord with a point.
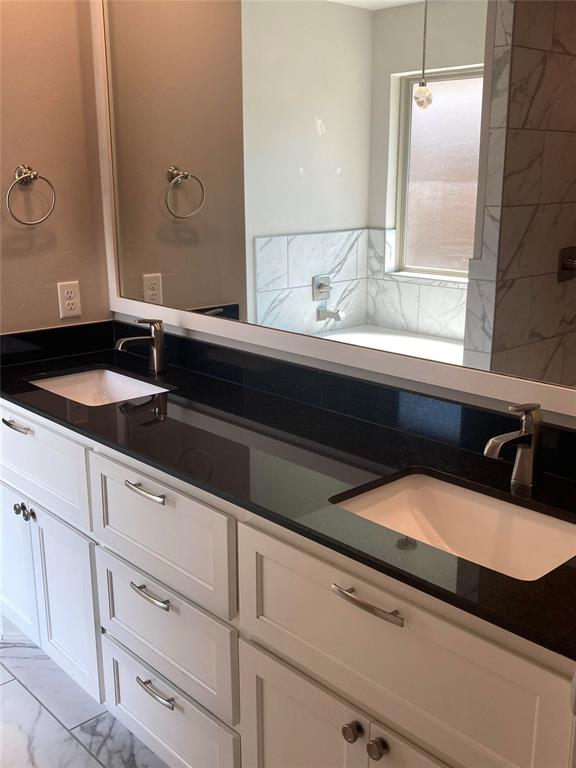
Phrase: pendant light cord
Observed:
(424, 42)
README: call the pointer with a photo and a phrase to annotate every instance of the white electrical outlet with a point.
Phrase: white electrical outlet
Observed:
(69, 299)
(152, 288)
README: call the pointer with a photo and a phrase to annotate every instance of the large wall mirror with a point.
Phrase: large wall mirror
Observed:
(387, 173)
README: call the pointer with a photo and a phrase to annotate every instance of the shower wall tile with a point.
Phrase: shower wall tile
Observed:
(500, 80)
(331, 253)
(559, 172)
(534, 24)
(485, 268)
(393, 304)
(540, 361)
(532, 236)
(495, 166)
(381, 251)
(441, 311)
(553, 307)
(564, 37)
(523, 171)
(480, 303)
(271, 262)
(512, 313)
(504, 20)
(362, 254)
(569, 365)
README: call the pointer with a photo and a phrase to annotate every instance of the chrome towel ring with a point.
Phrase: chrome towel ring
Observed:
(175, 176)
(25, 175)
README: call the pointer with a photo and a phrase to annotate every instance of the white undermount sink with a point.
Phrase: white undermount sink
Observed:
(98, 387)
(513, 540)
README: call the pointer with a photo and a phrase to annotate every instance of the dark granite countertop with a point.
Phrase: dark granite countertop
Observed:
(284, 460)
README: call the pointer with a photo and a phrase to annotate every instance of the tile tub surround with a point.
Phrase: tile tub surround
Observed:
(365, 287)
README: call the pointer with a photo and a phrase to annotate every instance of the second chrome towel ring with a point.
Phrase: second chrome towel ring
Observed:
(176, 176)
(24, 175)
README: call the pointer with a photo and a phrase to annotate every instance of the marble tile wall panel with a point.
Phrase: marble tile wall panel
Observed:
(532, 236)
(495, 166)
(504, 21)
(486, 267)
(393, 304)
(480, 305)
(569, 367)
(540, 361)
(564, 37)
(512, 313)
(330, 253)
(500, 82)
(534, 24)
(293, 309)
(271, 262)
(5, 676)
(523, 170)
(381, 252)
(442, 311)
(553, 307)
(559, 168)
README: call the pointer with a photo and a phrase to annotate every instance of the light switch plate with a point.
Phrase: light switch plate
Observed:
(69, 299)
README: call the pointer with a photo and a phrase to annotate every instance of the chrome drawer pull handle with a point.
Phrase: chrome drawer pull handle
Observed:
(348, 594)
(147, 686)
(137, 488)
(16, 427)
(142, 591)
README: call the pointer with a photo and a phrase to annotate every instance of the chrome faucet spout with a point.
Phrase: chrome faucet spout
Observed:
(526, 440)
(122, 343)
(155, 341)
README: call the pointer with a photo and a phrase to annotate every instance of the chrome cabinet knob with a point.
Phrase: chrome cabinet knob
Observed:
(17, 509)
(352, 731)
(377, 748)
(25, 513)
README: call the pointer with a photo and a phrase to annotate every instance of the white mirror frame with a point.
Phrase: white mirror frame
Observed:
(417, 374)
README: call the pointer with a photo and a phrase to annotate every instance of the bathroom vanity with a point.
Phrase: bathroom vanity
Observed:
(230, 611)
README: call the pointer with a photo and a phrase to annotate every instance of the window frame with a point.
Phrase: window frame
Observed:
(405, 108)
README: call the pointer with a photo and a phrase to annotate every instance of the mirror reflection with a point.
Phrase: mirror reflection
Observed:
(370, 172)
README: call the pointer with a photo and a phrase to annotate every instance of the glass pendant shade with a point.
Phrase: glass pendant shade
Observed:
(423, 95)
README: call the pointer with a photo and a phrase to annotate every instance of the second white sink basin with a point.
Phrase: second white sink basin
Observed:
(507, 538)
(98, 387)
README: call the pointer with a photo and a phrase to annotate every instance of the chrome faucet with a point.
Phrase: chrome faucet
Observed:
(323, 313)
(155, 341)
(526, 440)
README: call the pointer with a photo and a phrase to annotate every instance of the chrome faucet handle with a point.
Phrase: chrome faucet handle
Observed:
(530, 412)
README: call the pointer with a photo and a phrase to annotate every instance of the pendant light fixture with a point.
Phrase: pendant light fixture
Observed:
(423, 95)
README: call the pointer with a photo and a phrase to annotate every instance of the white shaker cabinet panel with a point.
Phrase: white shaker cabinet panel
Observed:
(44, 465)
(17, 585)
(65, 572)
(177, 729)
(173, 537)
(460, 694)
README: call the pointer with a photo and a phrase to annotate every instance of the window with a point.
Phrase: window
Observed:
(439, 174)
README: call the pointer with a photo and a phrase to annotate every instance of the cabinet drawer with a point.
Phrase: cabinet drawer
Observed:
(169, 535)
(48, 468)
(463, 696)
(179, 731)
(183, 642)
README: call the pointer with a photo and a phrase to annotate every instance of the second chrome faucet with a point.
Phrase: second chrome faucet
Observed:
(155, 342)
(526, 440)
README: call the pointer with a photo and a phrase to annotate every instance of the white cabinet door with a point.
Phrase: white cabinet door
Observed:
(290, 722)
(67, 604)
(17, 586)
(394, 751)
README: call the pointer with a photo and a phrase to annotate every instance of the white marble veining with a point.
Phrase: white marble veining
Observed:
(32, 737)
(559, 169)
(381, 251)
(332, 253)
(534, 24)
(532, 236)
(495, 166)
(393, 304)
(500, 86)
(362, 254)
(504, 20)
(485, 268)
(480, 304)
(512, 313)
(5, 676)
(271, 262)
(441, 311)
(553, 307)
(540, 361)
(479, 360)
(114, 746)
(564, 37)
(523, 172)
(49, 684)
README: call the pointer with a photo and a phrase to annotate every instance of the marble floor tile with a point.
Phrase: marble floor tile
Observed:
(32, 737)
(5, 676)
(114, 746)
(67, 701)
